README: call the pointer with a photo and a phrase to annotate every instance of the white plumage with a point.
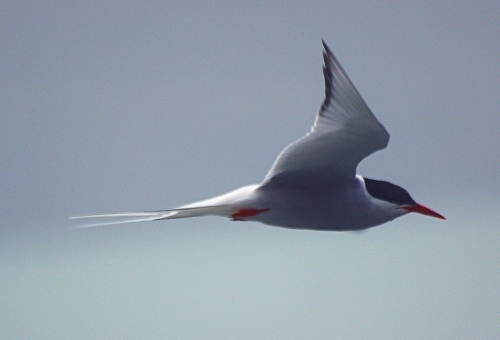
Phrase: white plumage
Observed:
(313, 182)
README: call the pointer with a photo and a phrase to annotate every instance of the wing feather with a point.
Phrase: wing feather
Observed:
(344, 132)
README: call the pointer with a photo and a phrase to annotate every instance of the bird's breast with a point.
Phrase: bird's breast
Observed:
(339, 207)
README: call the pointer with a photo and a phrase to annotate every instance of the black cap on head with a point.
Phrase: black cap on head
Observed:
(388, 192)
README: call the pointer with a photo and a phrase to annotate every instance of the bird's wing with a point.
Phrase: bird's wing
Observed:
(345, 131)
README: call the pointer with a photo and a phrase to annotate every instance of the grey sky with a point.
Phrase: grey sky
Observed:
(109, 107)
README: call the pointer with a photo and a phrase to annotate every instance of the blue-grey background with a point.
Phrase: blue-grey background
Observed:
(111, 106)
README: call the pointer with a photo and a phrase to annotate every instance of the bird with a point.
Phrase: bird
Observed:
(313, 182)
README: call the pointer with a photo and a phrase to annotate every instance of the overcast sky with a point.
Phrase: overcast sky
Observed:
(108, 106)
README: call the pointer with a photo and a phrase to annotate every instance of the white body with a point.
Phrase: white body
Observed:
(335, 207)
(313, 182)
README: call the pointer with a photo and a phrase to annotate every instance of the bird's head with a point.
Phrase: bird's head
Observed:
(397, 196)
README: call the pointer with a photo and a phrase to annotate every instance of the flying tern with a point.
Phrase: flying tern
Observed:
(313, 183)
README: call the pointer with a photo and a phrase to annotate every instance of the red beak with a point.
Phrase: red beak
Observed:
(421, 209)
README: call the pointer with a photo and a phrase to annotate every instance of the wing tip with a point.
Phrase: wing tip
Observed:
(326, 48)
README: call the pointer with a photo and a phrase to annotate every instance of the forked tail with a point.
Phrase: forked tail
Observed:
(237, 204)
(154, 215)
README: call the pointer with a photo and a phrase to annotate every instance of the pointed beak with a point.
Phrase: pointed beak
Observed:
(421, 209)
